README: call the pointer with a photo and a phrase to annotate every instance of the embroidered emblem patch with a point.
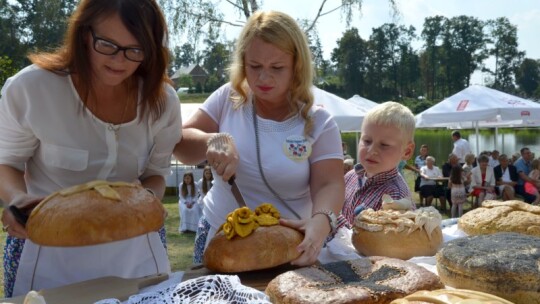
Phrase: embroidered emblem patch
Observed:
(297, 148)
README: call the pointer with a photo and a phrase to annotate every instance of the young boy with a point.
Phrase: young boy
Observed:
(387, 138)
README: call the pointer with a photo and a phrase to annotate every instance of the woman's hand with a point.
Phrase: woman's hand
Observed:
(9, 223)
(222, 155)
(316, 230)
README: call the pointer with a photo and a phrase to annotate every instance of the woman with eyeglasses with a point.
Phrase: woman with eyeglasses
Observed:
(99, 107)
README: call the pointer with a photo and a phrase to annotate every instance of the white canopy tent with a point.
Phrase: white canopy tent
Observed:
(362, 102)
(478, 106)
(347, 115)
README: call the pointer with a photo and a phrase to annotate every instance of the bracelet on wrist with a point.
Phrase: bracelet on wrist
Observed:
(220, 139)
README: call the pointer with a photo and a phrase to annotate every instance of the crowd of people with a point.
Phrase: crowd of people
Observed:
(102, 107)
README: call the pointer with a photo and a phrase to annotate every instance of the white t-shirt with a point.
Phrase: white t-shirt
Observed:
(461, 148)
(46, 131)
(431, 173)
(285, 163)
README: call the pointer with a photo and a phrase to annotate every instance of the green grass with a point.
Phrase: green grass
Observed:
(193, 98)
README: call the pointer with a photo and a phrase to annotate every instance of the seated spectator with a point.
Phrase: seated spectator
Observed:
(515, 157)
(428, 186)
(523, 167)
(419, 162)
(506, 178)
(530, 187)
(482, 181)
(494, 159)
(348, 165)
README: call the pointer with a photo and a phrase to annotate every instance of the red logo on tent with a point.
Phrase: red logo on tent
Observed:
(525, 113)
(462, 105)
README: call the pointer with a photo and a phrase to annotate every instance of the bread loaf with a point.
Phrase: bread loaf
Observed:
(398, 234)
(251, 241)
(266, 247)
(450, 296)
(503, 264)
(94, 213)
(497, 216)
(362, 281)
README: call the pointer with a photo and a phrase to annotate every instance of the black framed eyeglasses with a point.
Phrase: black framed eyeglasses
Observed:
(107, 47)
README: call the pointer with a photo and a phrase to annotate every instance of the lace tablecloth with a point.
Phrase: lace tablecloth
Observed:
(228, 288)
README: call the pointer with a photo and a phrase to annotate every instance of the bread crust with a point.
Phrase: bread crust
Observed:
(400, 245)
(266, 247)
(449, 296)
(507, 216)
(503, 264)
(367, 280)
(86, 217)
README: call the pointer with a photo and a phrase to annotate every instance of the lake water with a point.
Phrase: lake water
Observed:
(440, 143)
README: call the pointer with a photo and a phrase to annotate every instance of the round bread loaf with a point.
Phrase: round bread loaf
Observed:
(398, 234)
(265, 247)
(94, 213)
(367, 280)
(497, 216)
(450, 296)
(504, 264)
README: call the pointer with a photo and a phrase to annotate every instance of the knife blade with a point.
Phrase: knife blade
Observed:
(236, 192)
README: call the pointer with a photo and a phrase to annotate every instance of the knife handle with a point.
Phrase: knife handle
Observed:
(231, 180)
(19, 215)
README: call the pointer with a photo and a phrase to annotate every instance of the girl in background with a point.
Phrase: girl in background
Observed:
(457, 191)
(189, 212)
(204, 184)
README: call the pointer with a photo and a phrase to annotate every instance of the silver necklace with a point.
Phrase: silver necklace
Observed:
(116, 128)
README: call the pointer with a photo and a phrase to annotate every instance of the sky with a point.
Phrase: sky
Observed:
(525, 14)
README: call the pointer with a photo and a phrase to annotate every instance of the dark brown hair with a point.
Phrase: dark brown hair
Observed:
(184, 186)
(143, 19)
(204, 185)
(456, 175)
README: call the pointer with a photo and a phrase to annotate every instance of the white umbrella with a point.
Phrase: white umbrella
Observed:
(479, 106)
(347, 115)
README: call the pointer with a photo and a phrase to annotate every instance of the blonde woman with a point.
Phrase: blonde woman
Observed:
(279, 146)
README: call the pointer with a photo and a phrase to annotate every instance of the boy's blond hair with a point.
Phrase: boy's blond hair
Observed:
(393, 114)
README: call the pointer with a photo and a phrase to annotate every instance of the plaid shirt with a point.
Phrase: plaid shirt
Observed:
(369, 195)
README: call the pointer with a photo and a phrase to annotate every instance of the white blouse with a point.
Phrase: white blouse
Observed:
(46, 131)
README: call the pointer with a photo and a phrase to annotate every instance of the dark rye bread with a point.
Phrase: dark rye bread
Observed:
(370, 280)
(505, 264)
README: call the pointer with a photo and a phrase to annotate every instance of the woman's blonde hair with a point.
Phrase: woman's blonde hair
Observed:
(282, 31)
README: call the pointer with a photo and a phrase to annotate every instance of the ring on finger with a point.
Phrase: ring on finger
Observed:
(5, 228)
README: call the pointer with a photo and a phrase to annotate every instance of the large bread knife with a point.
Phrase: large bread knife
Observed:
(236, 192)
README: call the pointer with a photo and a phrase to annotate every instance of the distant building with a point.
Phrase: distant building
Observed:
(197, 73)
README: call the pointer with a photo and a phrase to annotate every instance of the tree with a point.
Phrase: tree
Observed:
(196, 17)
(528, 76)
(432, 33)
(351, 60)
(503, 36)
(6, 69)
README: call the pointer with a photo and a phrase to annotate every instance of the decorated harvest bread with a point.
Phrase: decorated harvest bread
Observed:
(451, 296)
(496, 216)
(401, 234)
(252, 240)
(505, 264)
(366, 280)
(94, 213)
